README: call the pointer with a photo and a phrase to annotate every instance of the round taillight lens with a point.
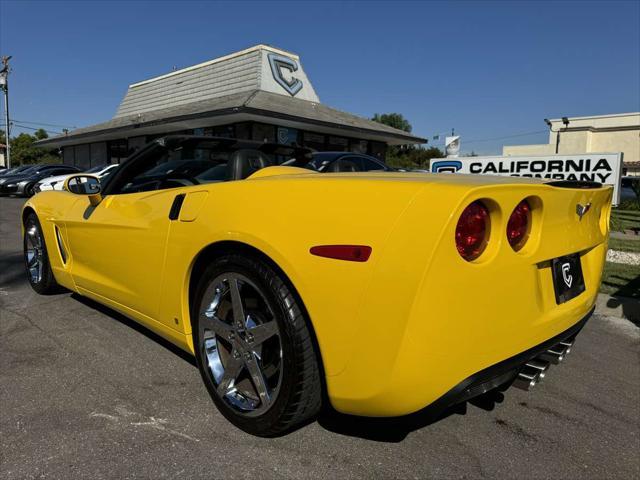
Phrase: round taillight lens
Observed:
(472, 230)
(518, 225)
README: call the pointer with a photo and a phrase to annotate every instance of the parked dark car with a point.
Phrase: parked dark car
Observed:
(346, 162)
(24, 182)
(15, 170)
(627, 188)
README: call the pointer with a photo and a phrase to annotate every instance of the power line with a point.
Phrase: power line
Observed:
(43, 124)
(506, 136)
(15, 124)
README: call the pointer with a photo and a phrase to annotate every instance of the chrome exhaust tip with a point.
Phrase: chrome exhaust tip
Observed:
(540, 366)
(567, 346)
(554, 355)
(527, 378)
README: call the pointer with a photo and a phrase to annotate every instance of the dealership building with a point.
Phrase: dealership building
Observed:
(614, 133)
(261, 93)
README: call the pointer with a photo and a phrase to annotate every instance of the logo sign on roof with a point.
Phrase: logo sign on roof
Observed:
(279, 63)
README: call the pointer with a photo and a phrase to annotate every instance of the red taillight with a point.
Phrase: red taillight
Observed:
(472, 230)
(352, 253)
(518, 225)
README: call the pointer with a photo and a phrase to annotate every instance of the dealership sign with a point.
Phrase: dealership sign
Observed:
(603, 168)
(279, 63)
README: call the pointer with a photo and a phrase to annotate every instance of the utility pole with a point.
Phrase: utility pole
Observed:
(4, 85)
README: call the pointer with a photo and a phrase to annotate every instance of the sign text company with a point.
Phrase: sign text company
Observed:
(593, 167)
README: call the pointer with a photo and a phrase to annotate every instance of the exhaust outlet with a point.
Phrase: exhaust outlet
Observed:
(527, 378)
(554, 355)
(540, 366)
(567, 346)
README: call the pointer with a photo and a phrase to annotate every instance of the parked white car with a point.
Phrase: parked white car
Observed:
(56, 183)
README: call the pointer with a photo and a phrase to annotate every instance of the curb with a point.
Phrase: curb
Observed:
(622, 307)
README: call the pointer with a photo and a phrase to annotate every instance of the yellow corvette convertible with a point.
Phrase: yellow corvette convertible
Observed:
(383, 293)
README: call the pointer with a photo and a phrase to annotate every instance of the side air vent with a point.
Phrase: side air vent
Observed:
(574, 184)
(63, 252)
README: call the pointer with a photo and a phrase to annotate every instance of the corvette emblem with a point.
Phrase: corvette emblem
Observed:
(581, 210)
(568, 278)
(279, 63)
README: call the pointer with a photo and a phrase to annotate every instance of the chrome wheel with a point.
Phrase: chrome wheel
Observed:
(34, 252)
(240, 340)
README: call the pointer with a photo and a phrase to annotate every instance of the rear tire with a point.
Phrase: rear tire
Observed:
(257, 360)
(36, 258)
(29, 190)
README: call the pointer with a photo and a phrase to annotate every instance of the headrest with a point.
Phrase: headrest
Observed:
(245, 162)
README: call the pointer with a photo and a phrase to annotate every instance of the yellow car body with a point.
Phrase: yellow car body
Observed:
(395, 333)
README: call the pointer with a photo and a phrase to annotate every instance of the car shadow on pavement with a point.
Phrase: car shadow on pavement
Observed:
(396, 429)
(135, 326)
(629, 298)
(387, 430)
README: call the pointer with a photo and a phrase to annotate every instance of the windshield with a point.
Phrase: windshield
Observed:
(27, 170)
(95, 169)
(179, 167)
(198, 162)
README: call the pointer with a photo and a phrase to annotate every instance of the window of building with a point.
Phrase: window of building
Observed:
(83, 156)
(243, 130)
(287, 136)
(314, 141)
(68, 155)
(135, 144)
(117, 150)
(264, 133)
(338, 144)
(358, 146)
(98, 154)
(378, 150)
(226, 131)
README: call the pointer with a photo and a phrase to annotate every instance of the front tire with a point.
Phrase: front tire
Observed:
(253, 346)
(36, 258)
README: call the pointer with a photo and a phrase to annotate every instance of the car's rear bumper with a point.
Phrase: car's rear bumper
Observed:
(402, 395)
(503, 372)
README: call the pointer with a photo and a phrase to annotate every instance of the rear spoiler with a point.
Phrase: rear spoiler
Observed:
(574, 184)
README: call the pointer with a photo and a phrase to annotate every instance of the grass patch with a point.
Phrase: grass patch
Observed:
(624, 219)
(624, 244)
(621, 279)
(629, 204)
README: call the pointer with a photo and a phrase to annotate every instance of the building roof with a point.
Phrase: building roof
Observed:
(258, 82)
(254, 105)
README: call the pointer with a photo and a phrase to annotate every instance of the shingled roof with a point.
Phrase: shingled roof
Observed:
(228, 89)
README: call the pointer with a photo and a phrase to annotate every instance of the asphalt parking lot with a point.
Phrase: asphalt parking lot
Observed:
(84, 392)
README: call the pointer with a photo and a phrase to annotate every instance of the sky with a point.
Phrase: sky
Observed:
(490, 70)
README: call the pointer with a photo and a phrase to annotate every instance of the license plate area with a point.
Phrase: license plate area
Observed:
(568, 281)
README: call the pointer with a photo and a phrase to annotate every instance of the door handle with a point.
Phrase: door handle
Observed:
(174, 211)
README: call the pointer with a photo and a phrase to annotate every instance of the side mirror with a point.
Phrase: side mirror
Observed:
(83, 184)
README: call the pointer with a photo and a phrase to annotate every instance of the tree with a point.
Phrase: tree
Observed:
(407, 156)
(395, 120)
(41, 134)
(23, 150)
